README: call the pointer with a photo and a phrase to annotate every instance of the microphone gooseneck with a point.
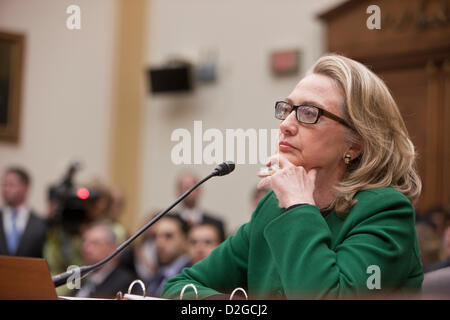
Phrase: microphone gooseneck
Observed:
(60, 279)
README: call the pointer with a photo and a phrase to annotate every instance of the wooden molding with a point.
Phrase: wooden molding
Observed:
(128, 100)
(408, 28)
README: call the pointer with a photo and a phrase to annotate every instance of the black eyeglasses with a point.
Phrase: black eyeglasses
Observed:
(306, 113)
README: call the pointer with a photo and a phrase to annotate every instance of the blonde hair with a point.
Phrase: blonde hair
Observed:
(388, 155)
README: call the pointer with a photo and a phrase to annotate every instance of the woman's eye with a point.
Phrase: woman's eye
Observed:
(309, 113)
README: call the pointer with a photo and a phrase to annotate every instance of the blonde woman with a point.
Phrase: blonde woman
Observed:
(339, 220)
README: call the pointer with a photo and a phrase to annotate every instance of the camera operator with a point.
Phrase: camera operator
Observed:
(73, 208)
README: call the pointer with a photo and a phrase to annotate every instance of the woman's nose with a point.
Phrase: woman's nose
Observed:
(289, 126)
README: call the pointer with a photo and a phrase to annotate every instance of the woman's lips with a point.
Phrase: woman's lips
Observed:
(285, 146)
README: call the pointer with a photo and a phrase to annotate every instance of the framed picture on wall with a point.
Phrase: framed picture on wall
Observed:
(11, 65)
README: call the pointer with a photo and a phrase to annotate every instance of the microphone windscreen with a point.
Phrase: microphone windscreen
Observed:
(224, 168)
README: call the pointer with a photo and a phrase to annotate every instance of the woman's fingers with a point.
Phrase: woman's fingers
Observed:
(275, 162)
(292, 185)
(268, 171)
(263, 182)
(264, 172)
(273, 165)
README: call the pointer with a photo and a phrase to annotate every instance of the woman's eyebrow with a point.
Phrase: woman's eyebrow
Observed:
(314, 103)
(288, 100)
(309, 102)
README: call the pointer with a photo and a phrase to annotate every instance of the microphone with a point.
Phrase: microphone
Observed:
(224, 168)
(58, 280)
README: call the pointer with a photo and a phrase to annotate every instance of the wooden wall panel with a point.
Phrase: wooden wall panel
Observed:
(411, 52)
(411, 98)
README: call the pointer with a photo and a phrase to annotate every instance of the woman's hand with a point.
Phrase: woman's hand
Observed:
(291, 184)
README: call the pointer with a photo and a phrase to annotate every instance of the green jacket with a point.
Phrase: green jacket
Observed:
(299, 253)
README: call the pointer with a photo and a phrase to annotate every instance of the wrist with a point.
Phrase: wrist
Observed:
(299, 201)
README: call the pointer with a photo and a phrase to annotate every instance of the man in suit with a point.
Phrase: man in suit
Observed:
(22, 232)
(170, 234)
(190, 211)
(98, 241)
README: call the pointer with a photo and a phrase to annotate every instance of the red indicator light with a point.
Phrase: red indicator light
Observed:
(83, 193)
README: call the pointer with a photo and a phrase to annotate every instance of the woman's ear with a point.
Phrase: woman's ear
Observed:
(356, 149)
(355, 146)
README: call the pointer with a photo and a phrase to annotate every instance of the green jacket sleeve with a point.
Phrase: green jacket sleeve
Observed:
(380, 235)
(224, 269)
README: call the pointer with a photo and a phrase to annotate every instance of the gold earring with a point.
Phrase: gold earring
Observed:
(347, 159)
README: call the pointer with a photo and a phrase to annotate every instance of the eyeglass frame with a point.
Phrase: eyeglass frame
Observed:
(322, 112)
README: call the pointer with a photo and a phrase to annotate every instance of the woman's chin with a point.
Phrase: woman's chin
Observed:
(296, 161)
(293, 159)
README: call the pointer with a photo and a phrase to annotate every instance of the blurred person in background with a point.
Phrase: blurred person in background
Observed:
(190, 210)
(444, 261)
(98, 208)
(429, 244)
(436, 284)
(22, 231)
(170, 234)
(440, 218)
(73, 215)
(446, 243)
(115, 212)
(113, 215)
(202, 239)
(98, 241)
(145, 258)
